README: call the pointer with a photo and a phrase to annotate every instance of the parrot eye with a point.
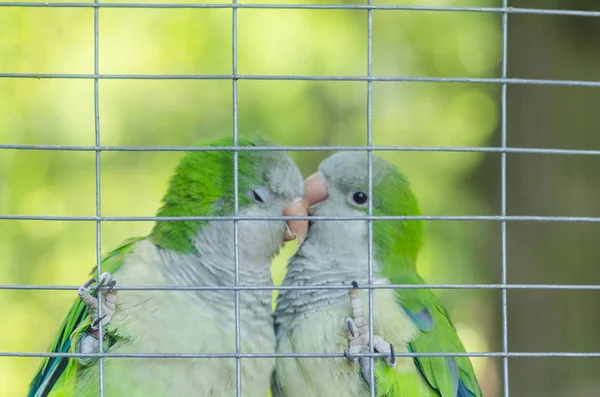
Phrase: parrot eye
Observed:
(260, 195)
(359, 198)
(256, 197)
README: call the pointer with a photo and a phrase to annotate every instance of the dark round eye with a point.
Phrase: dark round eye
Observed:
(359, 198)
(256, 197)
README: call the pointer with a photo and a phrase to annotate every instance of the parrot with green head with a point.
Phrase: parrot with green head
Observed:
(335, 252)
(179, 254)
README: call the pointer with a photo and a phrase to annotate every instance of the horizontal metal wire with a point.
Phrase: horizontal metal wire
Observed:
(492, 218)
(452, 149)
(309, 287)
(358, 7)
(301, 355)
(475, 80)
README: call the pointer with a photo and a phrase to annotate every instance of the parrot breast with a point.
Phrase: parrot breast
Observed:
(180, 322)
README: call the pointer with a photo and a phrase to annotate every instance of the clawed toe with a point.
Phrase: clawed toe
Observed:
(111, 285)
(97, 322)
(391, 360)
(106, 304)
(349, 357)
(358, 333)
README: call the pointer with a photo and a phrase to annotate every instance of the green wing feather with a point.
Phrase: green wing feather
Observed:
(449, 376)
(56, 373)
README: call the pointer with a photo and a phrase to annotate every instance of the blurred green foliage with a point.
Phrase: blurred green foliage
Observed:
(180, 112)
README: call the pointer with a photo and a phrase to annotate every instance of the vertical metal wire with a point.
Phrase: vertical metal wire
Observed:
(370, 189)
(98, 192)
(238, 369)
(503, 195)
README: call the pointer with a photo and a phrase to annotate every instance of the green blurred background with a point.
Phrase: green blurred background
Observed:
(316, 42)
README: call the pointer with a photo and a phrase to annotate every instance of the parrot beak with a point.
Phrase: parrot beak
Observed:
(315, 190)
(296, 228)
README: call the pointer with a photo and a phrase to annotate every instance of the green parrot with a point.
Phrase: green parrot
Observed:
(328, 321)
(186, 253)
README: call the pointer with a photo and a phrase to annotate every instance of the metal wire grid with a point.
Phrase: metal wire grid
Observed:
(504, 81)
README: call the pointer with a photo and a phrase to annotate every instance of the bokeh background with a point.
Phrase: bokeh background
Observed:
(324, 43)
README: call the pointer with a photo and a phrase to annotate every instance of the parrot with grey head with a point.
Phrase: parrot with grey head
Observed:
(178, 254)
(335, 252)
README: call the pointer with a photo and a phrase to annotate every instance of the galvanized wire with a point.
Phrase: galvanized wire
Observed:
(236, 247)
(573, 287)
(317, 148)
(474, 80)
(98, 192)
(495, 218)
(356, 7)
(370, 192)
(302, 355)
(503, 133)
(503, 150)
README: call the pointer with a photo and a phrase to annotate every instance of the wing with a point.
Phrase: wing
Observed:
(449, 376)
(55, 372)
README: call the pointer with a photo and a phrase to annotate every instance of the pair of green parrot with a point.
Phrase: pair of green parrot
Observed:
(201, 253)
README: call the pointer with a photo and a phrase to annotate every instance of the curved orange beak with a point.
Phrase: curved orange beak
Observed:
(315, 190)
(296, 228)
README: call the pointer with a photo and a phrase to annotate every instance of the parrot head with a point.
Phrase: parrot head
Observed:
(269, 184)
(340, 188)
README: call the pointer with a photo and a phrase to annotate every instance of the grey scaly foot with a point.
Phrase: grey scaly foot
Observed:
(358, 336)
(108, 301)
(88, 341)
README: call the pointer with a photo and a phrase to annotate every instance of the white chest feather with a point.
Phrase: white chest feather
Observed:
(325, 332)
(168, 322)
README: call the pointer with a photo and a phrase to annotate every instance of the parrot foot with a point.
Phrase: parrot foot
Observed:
(358, 334)
(108, 301)
(89, 341)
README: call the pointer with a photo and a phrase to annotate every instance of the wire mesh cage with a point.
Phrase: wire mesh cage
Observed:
(225, 93)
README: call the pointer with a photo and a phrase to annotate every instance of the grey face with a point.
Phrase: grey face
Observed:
(280, 182)
(346, 175)
(348, 171)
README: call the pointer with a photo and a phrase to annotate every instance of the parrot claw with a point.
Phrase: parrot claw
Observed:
(358, 335)
(381, 346)
(349, 357)
(88, 283)
(97, 321)
(111, 286)
(105, 278)
(88, 343)
(350, 324)
(391, 360)
(107, 303)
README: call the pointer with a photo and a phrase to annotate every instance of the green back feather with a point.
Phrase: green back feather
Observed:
(397, 245)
